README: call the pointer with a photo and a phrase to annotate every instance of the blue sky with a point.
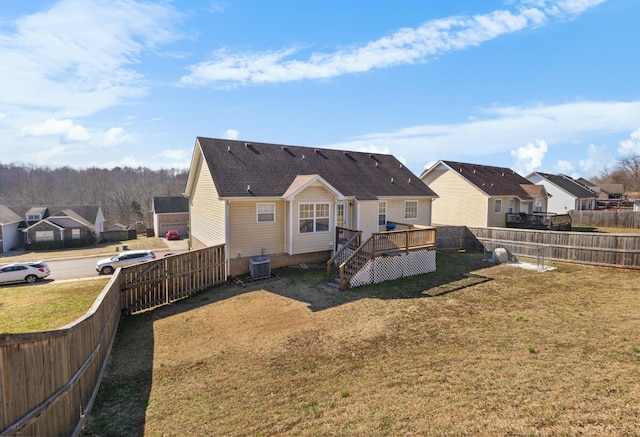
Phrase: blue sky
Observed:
(549, 85)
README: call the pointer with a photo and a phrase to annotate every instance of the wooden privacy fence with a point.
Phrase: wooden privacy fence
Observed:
(606, 218)
(48, 380)
(610, 250)
(174, 277)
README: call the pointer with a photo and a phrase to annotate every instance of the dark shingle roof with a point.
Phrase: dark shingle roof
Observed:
(269, 169)
(494, 181)
(165, 205)
(569, 185)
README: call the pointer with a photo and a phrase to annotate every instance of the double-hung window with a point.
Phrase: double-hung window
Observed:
(382, 213)
(498, 206)
(75, 234)
(313, 217)
(266, 212)
(44, 235)
(411, 209)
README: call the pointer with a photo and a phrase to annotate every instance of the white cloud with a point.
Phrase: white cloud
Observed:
(597, 159)
(565, 167)
(116, 136)
(405, 46)
(500, 129)
(528, 158)
(630, 146)
(45, 157)
(76, 57)
(231, 134)
(66, 129)
(175, 154)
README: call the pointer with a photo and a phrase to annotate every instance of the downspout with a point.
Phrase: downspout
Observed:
(226, 238)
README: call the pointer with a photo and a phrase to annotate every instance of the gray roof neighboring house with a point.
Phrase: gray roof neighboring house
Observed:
(165, 205)
(244, 170)
(7, 215)
(494, 181)
(569, 185)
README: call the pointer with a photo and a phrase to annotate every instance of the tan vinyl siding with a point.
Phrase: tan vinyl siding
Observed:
(395, 211)
(248, 237)
(459, 202)
(498, 219)
(317, 241)
(207, 211)
(368, 218)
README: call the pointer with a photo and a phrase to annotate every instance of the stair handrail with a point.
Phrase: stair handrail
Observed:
(332, 268)
(345, 277)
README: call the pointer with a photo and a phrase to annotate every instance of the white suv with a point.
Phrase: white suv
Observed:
(29, 271)
(108, 265)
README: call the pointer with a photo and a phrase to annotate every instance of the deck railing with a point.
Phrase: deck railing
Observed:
(347, 240)
(381, 243)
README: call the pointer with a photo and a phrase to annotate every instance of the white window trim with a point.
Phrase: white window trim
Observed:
(47, 233)
(495, 206)
(512, 206)
(344, 213)
(380, 203)
(406, 202)
(273, 205)
(75, 234)
(315, 217)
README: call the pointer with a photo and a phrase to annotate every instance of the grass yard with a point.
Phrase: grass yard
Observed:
(472, 349)
(46, 305)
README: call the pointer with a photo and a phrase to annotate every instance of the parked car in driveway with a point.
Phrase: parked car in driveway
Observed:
(172, 235)
(29, 271)
(107, 266)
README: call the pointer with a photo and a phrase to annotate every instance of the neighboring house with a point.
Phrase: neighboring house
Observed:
(170, 213)
(285, 202)
(10, 236)
(480, 195)
(117, 227)
(62, 223)
(566, 193)
(611, 191)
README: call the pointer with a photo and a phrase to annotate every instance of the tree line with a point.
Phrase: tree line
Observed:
(625, 171)
(124, 194)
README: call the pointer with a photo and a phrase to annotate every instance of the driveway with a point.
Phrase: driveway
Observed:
(176, 245)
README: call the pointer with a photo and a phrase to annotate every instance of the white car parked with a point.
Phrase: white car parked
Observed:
(29, 271)
(107, 266)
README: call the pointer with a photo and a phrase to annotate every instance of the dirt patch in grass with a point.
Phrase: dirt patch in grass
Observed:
(473, 348)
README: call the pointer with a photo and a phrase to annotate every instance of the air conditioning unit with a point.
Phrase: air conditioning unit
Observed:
(260, 268)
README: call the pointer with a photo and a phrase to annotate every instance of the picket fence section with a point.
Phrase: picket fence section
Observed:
(48, 380)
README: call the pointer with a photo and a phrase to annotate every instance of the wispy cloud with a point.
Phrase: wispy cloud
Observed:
(500, 130)
(405, 46)
(76, 57)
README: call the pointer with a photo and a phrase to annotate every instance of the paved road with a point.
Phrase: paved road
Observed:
(85, 267)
